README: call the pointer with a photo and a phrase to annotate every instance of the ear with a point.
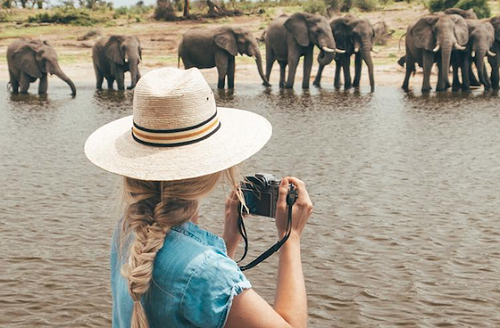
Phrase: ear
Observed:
(423, 32)
(495, 21)
(113, 50)
(461, 29)
(140, 48)
(226, 40)
(297, 26)
(25, 58)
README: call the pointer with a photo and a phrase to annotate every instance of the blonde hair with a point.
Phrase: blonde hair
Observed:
(151, 208)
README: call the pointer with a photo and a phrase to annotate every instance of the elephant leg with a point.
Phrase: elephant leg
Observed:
(269, 61)
(110, 81)
(25, 82)
(338, 67)
(427, 63)
(410, 67)
(357, 70)
(486, 78)
(494, 77)
(308, 62)
(222, 64)
(465, 73)
(282, 73)
(317, 80)
(120, 78)
(346, 66)
(14, 83)
(293, 62)
(230, 72)
(99, 78)
(456, 81)
(43, 85)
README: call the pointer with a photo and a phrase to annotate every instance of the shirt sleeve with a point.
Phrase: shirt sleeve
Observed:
(209, 293)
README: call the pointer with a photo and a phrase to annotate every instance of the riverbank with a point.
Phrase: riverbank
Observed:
(160, 39)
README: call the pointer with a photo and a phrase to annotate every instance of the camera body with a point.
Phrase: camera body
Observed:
(261, 193)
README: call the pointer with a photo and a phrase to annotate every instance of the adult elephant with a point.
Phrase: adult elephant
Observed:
(217, 47)
(29, 60)
(495, 60)
(481, 39)
(115, 55)
(433, 38)
(356, 36)
(289, 38)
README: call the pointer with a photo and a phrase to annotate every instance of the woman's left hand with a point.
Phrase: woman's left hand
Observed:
(231, 234)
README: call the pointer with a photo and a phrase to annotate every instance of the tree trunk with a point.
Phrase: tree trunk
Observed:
(185, 13)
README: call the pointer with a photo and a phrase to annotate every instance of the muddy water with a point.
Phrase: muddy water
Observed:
(406, 229)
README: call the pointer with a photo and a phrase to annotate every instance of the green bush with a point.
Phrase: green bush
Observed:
(480, 7)
(315, 7)
(69, 16)
(366, 5)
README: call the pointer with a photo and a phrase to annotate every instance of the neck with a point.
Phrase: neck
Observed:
(194, 218)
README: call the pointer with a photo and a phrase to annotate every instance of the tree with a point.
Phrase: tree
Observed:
(185, 13)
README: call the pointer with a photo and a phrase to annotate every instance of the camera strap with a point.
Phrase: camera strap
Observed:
(273, 249)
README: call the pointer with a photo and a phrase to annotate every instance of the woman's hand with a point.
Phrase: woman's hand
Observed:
(231, 234)
(301, 210)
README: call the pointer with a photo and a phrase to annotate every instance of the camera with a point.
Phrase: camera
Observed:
(261, 194)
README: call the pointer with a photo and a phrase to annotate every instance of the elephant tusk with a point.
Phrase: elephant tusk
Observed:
(328, 49)
(437, 48)
(473, 54)
(356, 49)
(340, 51)
(375, 51)
(459, 47)
(491, 53)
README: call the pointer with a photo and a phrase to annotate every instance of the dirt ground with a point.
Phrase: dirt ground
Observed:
(160, 39)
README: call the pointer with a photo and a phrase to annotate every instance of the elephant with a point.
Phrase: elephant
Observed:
(29, 60)
(218, 47)
(431, 39)
(290, 37)
(495, 60)
(481, 39)
(113, 56)
(467, 14)
(356, 36)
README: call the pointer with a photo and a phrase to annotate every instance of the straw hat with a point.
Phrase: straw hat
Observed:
(176, 131)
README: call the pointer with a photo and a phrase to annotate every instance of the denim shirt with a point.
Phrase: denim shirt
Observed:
(193, 285)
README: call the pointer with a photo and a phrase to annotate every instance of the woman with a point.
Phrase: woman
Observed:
(173, 150)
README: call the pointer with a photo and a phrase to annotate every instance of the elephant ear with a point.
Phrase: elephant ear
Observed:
(495, 21)
(423, 32)
(113, 49)
(461, 29)
(140, 48)
(297, 26)
(227, 41)
(25, 57)
(341, 32)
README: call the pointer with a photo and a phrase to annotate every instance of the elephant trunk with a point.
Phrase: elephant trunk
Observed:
(258, 61)
(325, 58)
(60, 74)
(367, 57)
(134, 74)
(446, 49)
(479, 61)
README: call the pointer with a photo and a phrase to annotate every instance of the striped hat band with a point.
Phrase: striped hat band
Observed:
(176, 137)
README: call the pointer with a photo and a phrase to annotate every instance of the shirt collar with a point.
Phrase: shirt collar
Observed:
(192, 230)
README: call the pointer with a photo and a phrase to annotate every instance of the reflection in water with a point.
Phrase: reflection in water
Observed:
(405, 228)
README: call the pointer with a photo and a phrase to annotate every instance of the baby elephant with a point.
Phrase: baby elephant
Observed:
(207, 48)
(29, 60)
(115, 55)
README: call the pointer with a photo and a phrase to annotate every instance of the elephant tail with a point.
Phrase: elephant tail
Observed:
(401, 38)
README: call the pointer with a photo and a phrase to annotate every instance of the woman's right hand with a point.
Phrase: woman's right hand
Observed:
(301, 210)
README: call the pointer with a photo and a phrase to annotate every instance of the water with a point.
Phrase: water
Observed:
(405, 230)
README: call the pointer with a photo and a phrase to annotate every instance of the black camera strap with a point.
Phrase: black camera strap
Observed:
(273, 249)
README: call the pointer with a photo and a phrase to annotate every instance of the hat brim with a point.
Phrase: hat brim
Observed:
(242, 134)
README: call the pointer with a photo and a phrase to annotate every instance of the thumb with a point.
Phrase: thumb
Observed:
(283, 192)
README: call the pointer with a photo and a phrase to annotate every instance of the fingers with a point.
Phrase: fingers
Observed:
(302, 194)
(283, 192)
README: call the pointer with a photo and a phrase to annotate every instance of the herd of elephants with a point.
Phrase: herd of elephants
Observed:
(454, 38)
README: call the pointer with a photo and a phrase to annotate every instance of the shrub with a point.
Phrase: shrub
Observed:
(164, 11)
(480, 7)
(315, 7)
(366, 5)
(66, 16)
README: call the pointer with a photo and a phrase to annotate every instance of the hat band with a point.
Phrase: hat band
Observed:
(176, 137)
